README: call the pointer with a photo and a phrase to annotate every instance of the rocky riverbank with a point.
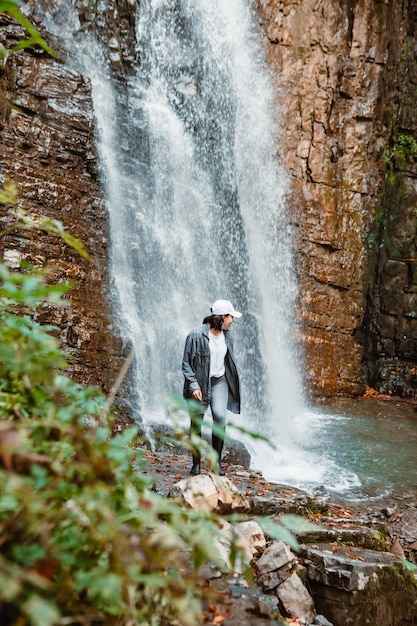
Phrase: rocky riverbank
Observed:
(355, 566)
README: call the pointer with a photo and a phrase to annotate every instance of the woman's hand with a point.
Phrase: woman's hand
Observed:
(197, 395)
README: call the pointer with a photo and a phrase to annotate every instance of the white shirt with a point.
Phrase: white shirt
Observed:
(218, 351)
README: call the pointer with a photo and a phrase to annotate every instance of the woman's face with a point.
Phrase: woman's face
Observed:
(227, 321)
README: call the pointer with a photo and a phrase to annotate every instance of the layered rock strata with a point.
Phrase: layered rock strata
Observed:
(47, 149)
(340, 67)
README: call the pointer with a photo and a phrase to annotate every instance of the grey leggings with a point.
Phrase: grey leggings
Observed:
(218, 400)
(218, 404)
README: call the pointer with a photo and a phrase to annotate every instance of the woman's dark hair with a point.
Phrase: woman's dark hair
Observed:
(214, 321)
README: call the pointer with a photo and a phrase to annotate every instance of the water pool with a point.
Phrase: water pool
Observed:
(357, 449)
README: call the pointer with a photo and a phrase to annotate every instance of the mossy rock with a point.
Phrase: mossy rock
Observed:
(356, 587)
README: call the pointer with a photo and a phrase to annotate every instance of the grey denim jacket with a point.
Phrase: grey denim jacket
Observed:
(196, 367)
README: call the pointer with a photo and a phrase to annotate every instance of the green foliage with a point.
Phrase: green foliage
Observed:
(8, 195)
(80, 529)
(12, 8)
(83, 538)
(409, 565)
(286, 527)
(403, 151)
(81, 532)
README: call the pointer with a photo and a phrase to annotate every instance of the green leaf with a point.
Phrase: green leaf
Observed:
(253, 434)
(41, 476)
(283, 529)
(8, 502)
(409, 565)
(89, 520)
(76, 244)
(28, 554)
(297, 523)
(125, 437)
(279, 533)
(10, 587)
(108, 587)
(5, 5)
(41, 612)
(12, 7)
(54, 227)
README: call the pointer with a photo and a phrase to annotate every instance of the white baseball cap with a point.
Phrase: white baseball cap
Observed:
(224, 307)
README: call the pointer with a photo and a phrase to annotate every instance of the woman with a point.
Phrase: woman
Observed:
(210, 373)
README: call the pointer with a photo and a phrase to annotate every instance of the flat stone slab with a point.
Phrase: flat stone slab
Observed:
(345, 567)
(355, 586)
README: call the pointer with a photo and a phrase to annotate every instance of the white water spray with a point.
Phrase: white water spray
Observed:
(210, 108)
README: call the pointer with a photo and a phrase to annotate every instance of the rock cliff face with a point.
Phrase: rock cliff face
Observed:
(346, 77)
(47, 149)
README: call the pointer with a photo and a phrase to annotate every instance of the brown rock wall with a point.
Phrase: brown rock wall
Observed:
(47, 149)
(334, 63)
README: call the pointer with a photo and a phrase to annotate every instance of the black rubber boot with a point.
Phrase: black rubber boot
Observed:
(217, 443)
(196, 469)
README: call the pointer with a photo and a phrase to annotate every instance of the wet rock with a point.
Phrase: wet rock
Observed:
(270, 581)
(279, 573)
(275, 565)
(358, 531)
(47, 148)
(320, 620)
(397, 550)
(254, 535)
(349, 568)
(236, 453)
(334, 596)
(275, 556)
(208, 491)
(390, 510)
(334, 65)
(296, 600)
(244, 604)
(263, 605)
(356, 586)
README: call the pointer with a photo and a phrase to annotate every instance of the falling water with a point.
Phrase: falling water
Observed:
(206, 101)
(196, 201)
(208, 219)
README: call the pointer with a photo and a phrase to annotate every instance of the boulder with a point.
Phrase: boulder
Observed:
(236, 453)
(241, 603)
(275, 565)
(276, 556)
(208, 491)
(228, 540)
(253, 533)
(296, 600)
(353, 586)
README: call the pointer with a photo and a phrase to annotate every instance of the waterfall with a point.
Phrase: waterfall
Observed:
(210, 111)
(213, 207)
(196, 200)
